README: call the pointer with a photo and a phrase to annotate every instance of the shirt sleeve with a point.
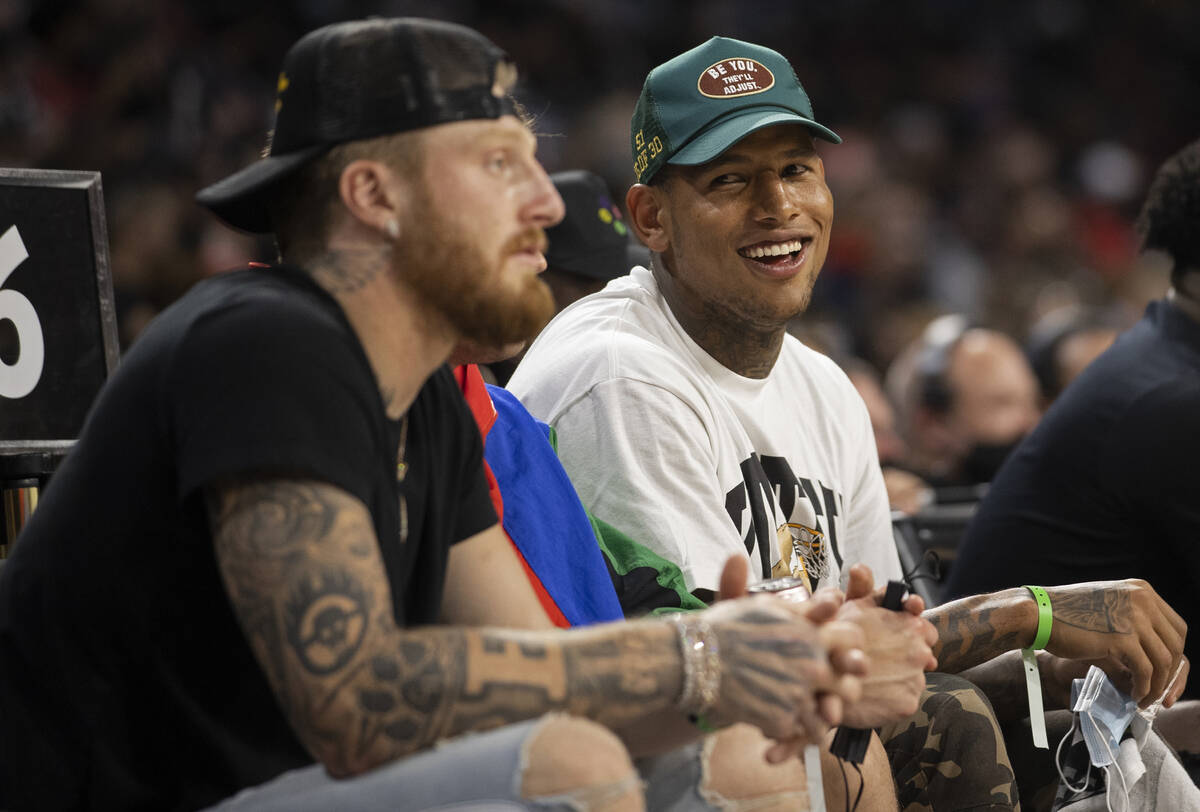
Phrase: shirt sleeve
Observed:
(272, 388)
(641, 457)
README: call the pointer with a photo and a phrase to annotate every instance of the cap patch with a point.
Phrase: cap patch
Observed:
(731, 78)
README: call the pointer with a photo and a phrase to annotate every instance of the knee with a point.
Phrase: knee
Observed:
(582, 763)
(735, 773)
(870, 786)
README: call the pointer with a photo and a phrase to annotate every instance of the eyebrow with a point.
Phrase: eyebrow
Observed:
(740, 158)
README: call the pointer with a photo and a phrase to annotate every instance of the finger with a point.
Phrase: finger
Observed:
(1177, 622)
(849, 661)
(1163, 664)
(1140, 672)
(1176, 689)
(840, 635)
(1170, 636)
(849, 688)
(785, 749)
(831, 708)
(811, 723)
(861, 582)
(830, 593)
(805, 719)
(734, 577)
(914, 604)
(819, 611)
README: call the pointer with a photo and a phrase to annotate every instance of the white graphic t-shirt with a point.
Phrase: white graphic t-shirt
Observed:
(699, 463)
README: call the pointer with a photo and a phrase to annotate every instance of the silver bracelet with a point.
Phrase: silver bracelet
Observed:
(701, 663)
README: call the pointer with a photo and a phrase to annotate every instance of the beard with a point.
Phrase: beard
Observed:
(457, 279)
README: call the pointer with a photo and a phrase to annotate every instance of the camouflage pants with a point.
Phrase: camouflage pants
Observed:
(950, 755)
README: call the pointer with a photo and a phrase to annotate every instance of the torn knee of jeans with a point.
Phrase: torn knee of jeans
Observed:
(575, 764)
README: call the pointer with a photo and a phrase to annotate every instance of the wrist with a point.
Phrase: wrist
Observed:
(701, 663)
(1025, 604)
(1045, 620)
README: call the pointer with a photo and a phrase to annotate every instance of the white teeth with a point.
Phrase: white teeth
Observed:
(775, 250)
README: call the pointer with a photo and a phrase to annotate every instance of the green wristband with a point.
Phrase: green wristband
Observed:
(1045, 618)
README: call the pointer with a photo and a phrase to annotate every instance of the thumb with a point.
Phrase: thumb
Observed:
(734, 578)
(861, 582)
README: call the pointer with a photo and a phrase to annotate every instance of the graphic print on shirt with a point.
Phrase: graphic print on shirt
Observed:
(771, 508)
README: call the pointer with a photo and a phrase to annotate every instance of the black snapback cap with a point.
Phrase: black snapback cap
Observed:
(592, 240)
(361, 79)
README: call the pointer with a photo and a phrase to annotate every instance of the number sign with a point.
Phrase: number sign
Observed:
(58, 336)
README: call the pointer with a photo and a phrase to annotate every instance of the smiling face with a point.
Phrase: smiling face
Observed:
(474, 242)
(744, 236)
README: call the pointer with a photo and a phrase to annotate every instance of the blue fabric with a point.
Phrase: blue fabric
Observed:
(544, 517)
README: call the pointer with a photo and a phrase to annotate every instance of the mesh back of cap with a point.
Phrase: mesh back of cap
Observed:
(381, 76)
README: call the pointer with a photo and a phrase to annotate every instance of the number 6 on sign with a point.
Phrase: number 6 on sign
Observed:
(18, 379)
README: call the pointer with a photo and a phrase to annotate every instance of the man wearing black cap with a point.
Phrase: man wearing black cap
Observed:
(691, 419)
(592, 245)
(221, 589)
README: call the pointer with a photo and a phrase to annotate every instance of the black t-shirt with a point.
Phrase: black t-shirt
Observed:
(1106, 486)
(125, 681)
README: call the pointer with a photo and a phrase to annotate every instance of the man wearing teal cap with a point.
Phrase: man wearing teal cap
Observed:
(690, 418)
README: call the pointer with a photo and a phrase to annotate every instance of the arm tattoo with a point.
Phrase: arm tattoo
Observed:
(976, 629)
(303, 571)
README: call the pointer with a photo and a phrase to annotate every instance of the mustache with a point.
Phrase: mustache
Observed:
(532, 237)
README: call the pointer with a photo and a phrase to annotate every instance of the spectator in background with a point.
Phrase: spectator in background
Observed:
(1062, 344)
(592, 245)
(906, 491)
(967, 396)
(1105, 487)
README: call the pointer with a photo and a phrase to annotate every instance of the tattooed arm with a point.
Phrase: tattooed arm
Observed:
(302, 568)
(1122, 626)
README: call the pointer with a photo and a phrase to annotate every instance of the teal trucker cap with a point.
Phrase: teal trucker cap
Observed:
(697, 105)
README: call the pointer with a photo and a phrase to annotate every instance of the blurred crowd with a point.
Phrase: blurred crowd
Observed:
(995, 152)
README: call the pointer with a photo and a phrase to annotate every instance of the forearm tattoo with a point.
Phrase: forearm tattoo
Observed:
(973, 630)
(305, 576)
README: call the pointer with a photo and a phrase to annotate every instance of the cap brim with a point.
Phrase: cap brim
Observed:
(726, 132)
(241, 198)
(603, 265)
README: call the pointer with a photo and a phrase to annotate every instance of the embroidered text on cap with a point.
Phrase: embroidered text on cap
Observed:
(731, 78)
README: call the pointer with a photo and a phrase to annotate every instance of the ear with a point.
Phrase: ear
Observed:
(648, 216)
(373, 196)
